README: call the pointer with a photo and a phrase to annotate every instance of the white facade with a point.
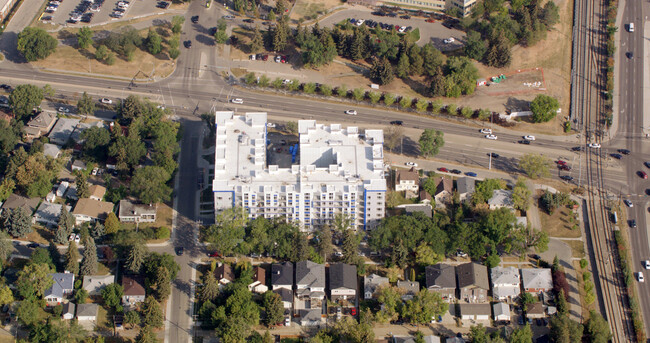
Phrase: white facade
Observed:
(505, 283)
(338, 172)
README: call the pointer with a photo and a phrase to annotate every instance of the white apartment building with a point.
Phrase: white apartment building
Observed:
(464, 6)
(339, 171)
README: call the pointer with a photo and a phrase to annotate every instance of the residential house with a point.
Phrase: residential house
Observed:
(48, 213)
(40, 125)
(425, 209)
(505, 283)
(310, 283)
(311, 317)
(78, 165)
(537, 280)
(51, 150)
(444, 190)
(88, 210)
(501, 312)
(93, 284)
(455, 339)
(81, 127)
(372, 283)
(465, 186)
(282, 275)
(431, 339)
(407, 180)
(96, 192)
(411, 339)
(224, 274)
(14, 201)
(259, 281)
(287, 297)
(425, 197)
(62, 286)
(134, 292)
(535, 310)
(72, 192)
(62, 131)
(475, 311)
(408, 289)
(68, 311)
(137, 213)
(343, 282)
(472, 279)
(500, 198)
(87, 312)
(62, 188)
(441, 279)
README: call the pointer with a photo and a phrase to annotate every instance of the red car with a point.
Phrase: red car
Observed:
(560, 162)
(284, 59)
(443, 169)
(643, 175)
(353, 311)
(430, 21)
(565, 167)
(214, 254)
(265, 57)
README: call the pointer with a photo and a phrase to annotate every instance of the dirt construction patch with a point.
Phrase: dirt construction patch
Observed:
(312, 9)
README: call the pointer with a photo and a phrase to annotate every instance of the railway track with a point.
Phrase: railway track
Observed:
(591, 81)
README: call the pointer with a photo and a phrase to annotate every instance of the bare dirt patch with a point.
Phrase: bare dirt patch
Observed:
(312, 9)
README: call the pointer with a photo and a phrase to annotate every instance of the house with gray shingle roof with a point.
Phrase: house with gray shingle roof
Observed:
(93, 284)
(14, 201)
(68, 311)
(500, 198)
(465, 186)
(282, 275)
(372, 283)
(310, 282)
(62, 286)
(536, 280)
(62, 131)
(408, 288)
(48, 213)
(87, 312)
(343, 282)
(473, 285)
(441, 279)
(505, 283)
(311, 317)
(51, 150)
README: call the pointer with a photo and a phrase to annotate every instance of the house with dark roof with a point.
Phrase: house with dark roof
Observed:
(425, 197)
(444, 190)
(259, 281)
(441, 279)
(535, 310)
(473, 285)
(137, 213)
(407, 180)
(408, 289)
(310, 282)
(224, 274)
(68, 311)
(62, 131)
(287, 297)
(465, 186)
(282, 275)
(372, 283)
(343, 282)
(133, 290)
(425, 209)
(62, 286)
(14, 201)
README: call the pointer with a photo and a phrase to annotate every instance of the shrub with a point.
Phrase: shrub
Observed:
(584, 263)
(309, 88)
(342, 91)
(294, 85)
(389, 99)
(326, 90)
(264, 81)
(421, 105)
(451, 109)
(436, 106)
(250, 78)
(358, 94)
(466, 112)
(405, 102)
(110, 59)
(484, 114)
(374, 97)
(277, 83)
(162, 232)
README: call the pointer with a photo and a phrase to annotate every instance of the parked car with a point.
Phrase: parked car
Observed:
(494, 155)
(594, 145)
(640, 277)
(396, 122)
(195, 19)
(647, 164)
(179, 251)
(448, 40)
(646, 264)
(566, 178)
(628, 203)
(624, 151)
(188, 44)
(214, 254)
(632, 223)
(560, 162)
(565, 167)
(33, 245)
(411, 164)
(617, 156)
(455, 171)
(443, 169)
(642, 174)
(472, 174)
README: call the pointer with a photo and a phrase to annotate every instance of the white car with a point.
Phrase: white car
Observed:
(402, 29)
(594, 145)
(529, 138)
(237, 101)
(338, 254)
(646, 264)
(95, 170)
(486, 131)
(628, 203)
(351, 112)
(411, 164)
(360, 22)
(448, 40)
(278, 59)
(640, 276)
(492, 137)
(64, 110)
(52, 8)
(106, 101)
(270, 124)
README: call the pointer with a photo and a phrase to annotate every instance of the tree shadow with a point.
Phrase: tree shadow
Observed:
(416, 86)
(514, 105)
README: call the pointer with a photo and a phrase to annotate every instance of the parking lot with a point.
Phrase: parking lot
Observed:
(434, 31)
(92, 12)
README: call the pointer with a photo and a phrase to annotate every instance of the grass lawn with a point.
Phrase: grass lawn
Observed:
(559, 224)
(40, 234)
(577, 248)
(163, 218)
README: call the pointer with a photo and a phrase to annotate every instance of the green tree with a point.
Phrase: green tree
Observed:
(325, 247)
(521, 195)
(257, 42)
(10, 134)
(136, 257)
(425, 256)
(154, 42)
(35, 44)
(82, 185)
(535, 166)
(220, 37)
(350, 246)
(405, 102)
(132, 318)
(421, 105)
(33, 280)
(80, 296)
(89, 260)
(597, 328)
(550, 14)
(522, 335)
(24, 98)
(432, 58)
(228, 230)
(279, 35)
(152, 313)
(112, 224)
(112, 295)
(565, 330)
(174, 53)
(86, 105)
(96, 141)
(292, 127)
(382, 71)
(149, 184)
(475, 46)
(391, 301)
(403, 66)
(72, 258)
(16, 222)
(499, 53)
(163, 283)
(424, 306)
(210, 289)
(326, 90)
(6, 247)
(478, 334)
(358, 94)
(146, 335)
(177, 23)
(28, 312)
(431, 141)
(84, 37)
(544, 108)
(6, 295)
(101, 53)
(97, 230)
(273, 308)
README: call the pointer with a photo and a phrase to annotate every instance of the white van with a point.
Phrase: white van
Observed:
(630, 27)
